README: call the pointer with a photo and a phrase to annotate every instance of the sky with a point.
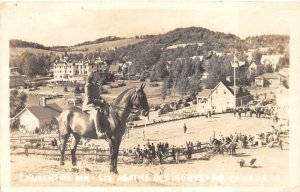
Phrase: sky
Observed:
(69, 23)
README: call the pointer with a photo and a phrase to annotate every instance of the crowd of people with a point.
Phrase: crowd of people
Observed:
(258, 112)
(268, 138)
(162, 150)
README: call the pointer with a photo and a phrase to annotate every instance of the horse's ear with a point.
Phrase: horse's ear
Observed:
(142, 86)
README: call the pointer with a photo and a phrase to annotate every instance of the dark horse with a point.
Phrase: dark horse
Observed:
(74, 121)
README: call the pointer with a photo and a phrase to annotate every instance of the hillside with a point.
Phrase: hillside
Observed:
(16, 51)
(108, 45)
(17, 47)
(167, 57)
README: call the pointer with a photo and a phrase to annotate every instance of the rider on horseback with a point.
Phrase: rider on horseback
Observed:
(92, 102)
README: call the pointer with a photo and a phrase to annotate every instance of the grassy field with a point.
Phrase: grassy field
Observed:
(272, 164)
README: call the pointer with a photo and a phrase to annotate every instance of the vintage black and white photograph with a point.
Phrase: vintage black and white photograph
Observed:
(160, 94)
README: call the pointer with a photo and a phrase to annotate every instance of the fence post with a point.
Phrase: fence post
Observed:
(26, 150)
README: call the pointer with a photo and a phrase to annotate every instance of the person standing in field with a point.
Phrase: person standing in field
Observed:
(184, 128)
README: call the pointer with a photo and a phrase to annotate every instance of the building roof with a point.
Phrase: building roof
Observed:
(268, 76)
(284, 72)
(114, 68)
(253, 63)
(205, 93)
(49, 111)
(270, 59)
(200, 57)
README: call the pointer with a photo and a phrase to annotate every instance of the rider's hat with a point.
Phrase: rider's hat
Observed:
(90, 77)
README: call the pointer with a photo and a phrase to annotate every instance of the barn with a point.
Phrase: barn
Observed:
(221, 98)
(37, 117)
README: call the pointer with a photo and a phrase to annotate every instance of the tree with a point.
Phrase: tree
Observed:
(256, 56)
(76, 89)
(161, 70)
(15, 123)
(166, 88)
(17, 102)
(269, 69)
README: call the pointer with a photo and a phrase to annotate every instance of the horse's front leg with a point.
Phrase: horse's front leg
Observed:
(116, 154)
(111, 155)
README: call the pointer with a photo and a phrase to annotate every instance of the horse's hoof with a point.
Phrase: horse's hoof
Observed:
(62, 163)
(74, 164)
(116, 172)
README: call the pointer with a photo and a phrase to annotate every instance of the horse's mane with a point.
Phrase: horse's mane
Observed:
(118, 99)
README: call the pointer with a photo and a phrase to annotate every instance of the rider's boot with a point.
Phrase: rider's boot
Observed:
(100, 132)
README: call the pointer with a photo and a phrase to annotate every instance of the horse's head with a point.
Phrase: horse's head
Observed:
(139, 100)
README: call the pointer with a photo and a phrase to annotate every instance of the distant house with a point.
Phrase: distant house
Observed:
(221, 98)
(252, 69)
(282, 96)
(264, 49)
(36, 117)
(200, 57)
(116, 70)
(16, 80)
(284, 75)
(249, 56)
(267, 80)
(205, 75)
(204, 103)
(272, 60)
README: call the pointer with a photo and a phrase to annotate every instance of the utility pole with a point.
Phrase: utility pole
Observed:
(234, 79)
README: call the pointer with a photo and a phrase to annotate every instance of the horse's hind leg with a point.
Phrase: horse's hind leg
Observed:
(63, 142)
(74, 147)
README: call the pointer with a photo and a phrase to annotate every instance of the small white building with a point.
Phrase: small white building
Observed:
(282, 96)
(272, 60)
(267, 80)
(284, 75)
(252, 69)
(36, 117)
(220, 99)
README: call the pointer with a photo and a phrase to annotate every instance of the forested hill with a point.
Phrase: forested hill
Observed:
(217, 40)
(16, 43)
(185, 42)
(13, 43)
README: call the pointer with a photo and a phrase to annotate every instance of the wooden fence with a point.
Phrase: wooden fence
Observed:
(95, 154)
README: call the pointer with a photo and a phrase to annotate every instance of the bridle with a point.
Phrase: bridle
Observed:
(134, 109)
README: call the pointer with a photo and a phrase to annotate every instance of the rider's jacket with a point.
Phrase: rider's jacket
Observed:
(92, 96)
